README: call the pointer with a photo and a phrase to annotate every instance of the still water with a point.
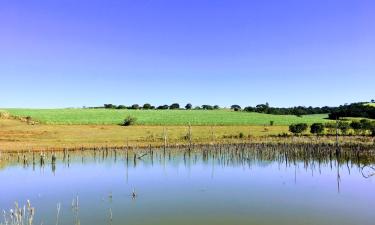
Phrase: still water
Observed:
(190, 187)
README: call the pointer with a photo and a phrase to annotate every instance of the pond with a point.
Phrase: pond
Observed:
(209, 185)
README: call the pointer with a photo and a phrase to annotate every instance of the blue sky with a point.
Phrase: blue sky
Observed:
(88, 52)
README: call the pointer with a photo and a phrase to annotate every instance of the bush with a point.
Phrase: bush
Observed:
(241, 135)
(298, 128)
(121, 107)
(356, 126)
(344, 127)
(272, 123)
(317, 128)
(128, 121)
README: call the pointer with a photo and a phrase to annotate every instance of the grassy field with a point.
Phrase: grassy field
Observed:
(160, 117)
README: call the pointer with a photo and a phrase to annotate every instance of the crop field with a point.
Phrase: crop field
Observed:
(160, 117)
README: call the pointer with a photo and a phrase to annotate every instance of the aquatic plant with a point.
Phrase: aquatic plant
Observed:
(19, 215)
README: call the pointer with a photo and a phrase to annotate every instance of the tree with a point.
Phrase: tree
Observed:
(163, 107)
(135, 106)
(174, 106)
(188, 106)
(216, 107)
(236, 107)
(121, 107)
(344, 127)
(317, 128)
(147, 106)
(372, 101)
(207, 107)
(356, 126)
(109, 106)
(298, 128)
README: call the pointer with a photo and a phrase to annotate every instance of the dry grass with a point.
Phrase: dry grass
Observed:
(17, 135)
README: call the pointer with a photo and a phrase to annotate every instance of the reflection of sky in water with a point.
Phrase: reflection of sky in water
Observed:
(199, 192)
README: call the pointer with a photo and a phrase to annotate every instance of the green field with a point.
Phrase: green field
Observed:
(160, 117)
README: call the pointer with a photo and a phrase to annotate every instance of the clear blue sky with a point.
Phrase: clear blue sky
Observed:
(87, 52)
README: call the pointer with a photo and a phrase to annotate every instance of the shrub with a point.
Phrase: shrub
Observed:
(317, 128)
(128, 121)
(241, 135)
(365, 125)
(216, 107)
(298, 128)
(344, 127)
(356, 126)
(272, 123)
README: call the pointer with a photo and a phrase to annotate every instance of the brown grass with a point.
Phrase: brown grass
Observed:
(16, 135)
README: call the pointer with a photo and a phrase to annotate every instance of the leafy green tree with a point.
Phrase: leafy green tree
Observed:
(317, 128)
(298, 128)
(109, 106)
(147, 106)
(216, 107)
(163, 107)
(236, 107)
(174, 106)
(207, 107)
(188, 106)
(121, 107)
(135, 106)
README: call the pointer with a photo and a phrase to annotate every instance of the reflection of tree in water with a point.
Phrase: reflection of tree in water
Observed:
(311, 156)
(368, 171)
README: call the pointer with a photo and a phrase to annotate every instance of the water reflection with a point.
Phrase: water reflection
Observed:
(221, 184)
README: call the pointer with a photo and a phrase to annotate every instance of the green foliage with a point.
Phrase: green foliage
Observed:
(317, 128)
(174, 106)
(188, 106)
(298, 128)
(135, 106)
(344, 127)
(355, 125)
(128, 121)
(160, 117)
(236, 107)
(163, 107)
(147, 106)
(272, 123)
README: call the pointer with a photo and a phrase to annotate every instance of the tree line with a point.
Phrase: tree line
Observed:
(362, 127)
(147, 106)
(361, 109)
